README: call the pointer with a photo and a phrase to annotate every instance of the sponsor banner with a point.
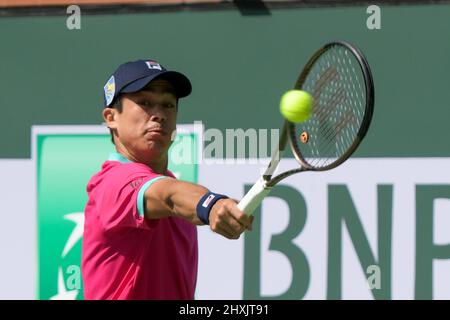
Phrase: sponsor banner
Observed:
(374, 228)
(66, 157)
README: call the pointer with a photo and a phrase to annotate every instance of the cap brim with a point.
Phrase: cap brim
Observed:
(179, 81)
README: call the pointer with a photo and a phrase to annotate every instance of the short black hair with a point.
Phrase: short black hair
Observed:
(116, 104)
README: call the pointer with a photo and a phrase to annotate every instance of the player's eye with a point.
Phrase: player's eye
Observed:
(169, 105)
(145, 103)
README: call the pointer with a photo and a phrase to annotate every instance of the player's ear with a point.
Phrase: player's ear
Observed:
(109, 115)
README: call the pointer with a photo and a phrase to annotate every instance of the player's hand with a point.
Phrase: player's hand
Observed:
(226, 219)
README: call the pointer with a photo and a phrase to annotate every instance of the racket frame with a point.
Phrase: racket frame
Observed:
(262, 187)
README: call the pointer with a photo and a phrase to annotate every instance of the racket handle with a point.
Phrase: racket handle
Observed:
(254, 197)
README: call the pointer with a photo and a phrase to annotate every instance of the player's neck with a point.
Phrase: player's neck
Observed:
(157, 164)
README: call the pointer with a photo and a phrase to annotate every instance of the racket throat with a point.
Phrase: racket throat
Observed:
(254, 196)
(277, 153)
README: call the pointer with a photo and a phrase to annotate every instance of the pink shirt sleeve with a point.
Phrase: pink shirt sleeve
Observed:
(120, 202)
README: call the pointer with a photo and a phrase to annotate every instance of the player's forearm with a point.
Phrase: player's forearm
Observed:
(197, 204)
(171, 197)
(184, 197)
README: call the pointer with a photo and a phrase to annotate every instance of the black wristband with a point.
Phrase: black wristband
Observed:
(206, 203)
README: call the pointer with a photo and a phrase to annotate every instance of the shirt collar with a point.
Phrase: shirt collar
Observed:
(115, 156)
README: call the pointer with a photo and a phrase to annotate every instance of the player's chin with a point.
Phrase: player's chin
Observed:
(157, 145)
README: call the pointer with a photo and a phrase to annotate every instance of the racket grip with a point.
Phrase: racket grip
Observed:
(254, 197)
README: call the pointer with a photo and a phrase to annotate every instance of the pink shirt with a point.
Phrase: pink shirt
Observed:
(126, 256)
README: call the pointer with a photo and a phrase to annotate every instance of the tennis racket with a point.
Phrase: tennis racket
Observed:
(340, 81)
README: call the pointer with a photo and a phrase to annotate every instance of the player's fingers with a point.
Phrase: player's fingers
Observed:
(225, 220)
(240, 216)
(226, 232)
(235, 225)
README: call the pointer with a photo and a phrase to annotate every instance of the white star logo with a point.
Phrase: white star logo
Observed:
(77, 232)
(75, 236)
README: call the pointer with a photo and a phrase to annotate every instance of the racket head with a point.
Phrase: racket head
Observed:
(339, 78)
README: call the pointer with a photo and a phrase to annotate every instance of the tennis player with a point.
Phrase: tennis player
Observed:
(140, 236)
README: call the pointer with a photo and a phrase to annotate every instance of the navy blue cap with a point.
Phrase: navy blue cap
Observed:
(133, 76)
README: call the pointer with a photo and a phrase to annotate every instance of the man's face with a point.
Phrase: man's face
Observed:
(147, 121)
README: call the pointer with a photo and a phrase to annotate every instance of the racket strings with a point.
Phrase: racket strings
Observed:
(330, 143)
(342, 123)
(331, 135)
(335, 80)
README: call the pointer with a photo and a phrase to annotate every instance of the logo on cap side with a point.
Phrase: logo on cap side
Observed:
(153, 65)
(110, 89)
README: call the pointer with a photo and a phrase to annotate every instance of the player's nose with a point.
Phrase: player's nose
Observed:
(157, 114)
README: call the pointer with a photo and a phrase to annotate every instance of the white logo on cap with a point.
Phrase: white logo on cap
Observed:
(110, 89)
(153, 65)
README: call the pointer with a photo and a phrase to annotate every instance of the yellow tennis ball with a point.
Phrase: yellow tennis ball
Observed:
(296, 105)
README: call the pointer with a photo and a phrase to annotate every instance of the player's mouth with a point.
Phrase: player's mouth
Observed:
(155, 131)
